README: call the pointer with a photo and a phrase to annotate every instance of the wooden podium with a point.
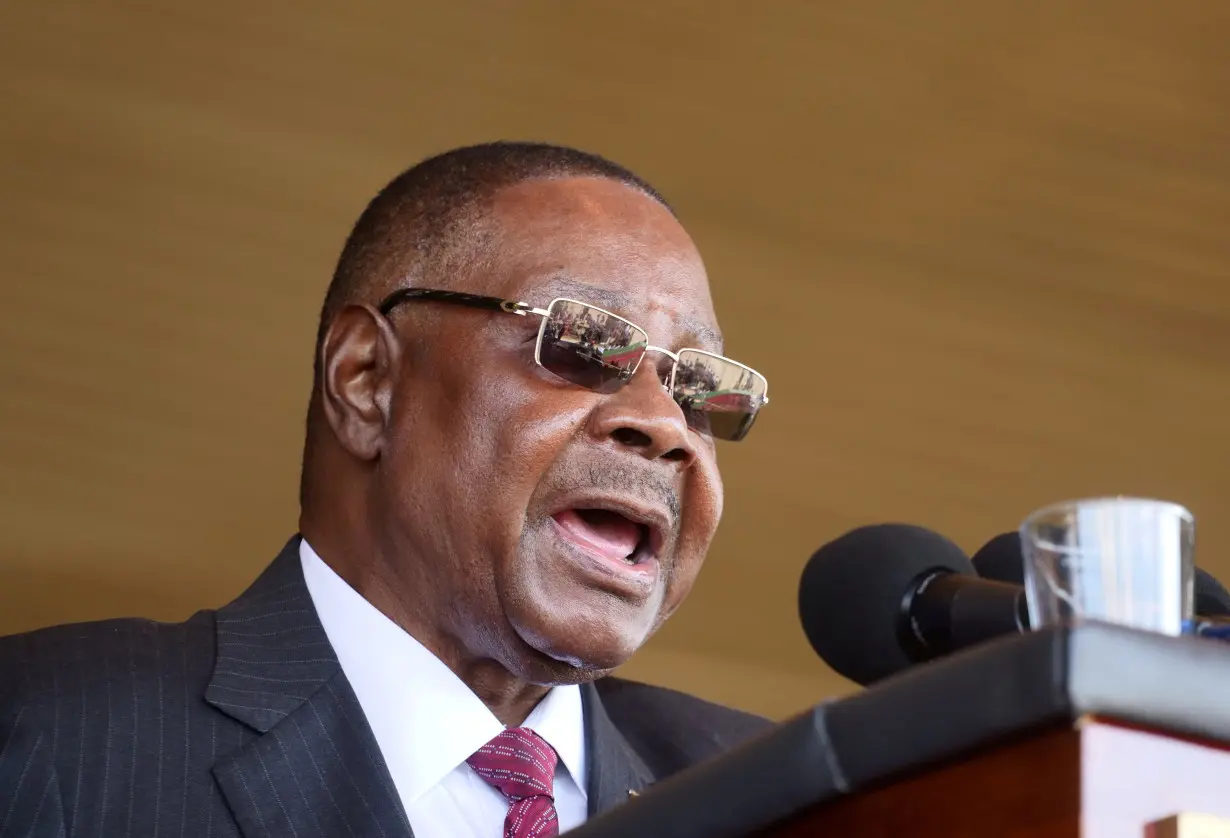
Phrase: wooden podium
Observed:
(1094, 779)
(1097, 732)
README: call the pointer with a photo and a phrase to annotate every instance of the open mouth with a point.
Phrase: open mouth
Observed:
(608, 534)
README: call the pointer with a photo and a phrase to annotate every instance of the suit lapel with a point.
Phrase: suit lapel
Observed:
(316, 769)
(615, 770)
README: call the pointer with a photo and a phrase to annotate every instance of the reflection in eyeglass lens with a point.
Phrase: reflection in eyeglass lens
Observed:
(600, 351)
(718, 397)
(597, 336)
(714, 384)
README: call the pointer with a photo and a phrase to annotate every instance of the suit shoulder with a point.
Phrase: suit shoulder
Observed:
(623, 697)
(39, 667)
(672, 729)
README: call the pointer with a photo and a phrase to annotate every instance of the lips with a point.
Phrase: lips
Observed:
(607, 533)
(622, 533)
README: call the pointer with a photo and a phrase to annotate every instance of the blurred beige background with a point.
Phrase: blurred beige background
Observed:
(980, 248)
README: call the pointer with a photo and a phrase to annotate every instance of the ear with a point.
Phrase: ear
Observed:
(359, 360)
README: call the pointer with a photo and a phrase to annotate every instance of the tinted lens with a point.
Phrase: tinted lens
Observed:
(719, 397)
(590, 347)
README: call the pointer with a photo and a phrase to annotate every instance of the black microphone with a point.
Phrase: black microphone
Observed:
(1211, 598)
(882, 598)
(1002, 559)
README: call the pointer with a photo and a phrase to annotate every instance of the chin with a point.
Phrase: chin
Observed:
(576, 650)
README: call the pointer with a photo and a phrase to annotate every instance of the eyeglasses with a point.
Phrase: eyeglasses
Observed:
(600, 351)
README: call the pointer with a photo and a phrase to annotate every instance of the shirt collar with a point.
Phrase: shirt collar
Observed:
(559, 719)
(424, 718)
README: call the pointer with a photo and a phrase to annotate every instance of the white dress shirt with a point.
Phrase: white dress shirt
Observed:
(427, 721)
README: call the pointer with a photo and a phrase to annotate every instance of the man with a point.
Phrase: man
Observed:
(507, 488)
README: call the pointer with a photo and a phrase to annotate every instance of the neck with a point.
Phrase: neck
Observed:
(509, 698)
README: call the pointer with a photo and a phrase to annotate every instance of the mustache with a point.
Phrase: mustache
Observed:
(624, 478)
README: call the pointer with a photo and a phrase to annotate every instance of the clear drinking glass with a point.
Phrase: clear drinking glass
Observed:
(1117, 560)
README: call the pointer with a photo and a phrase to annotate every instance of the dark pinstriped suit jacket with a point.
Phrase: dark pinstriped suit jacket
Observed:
(240, 722)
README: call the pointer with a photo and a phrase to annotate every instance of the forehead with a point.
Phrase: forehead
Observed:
(601, 242)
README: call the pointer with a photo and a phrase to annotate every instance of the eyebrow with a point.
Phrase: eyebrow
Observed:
(616, 301)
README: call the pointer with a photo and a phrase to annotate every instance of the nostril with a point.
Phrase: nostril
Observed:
(632, 437)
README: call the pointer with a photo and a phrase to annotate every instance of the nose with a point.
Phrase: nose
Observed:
(641, 416)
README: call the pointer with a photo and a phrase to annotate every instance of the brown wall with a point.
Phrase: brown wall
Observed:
(980, 249)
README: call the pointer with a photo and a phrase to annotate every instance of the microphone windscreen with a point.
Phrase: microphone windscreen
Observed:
(851, 594)
(1211, 599)
(1001, 559)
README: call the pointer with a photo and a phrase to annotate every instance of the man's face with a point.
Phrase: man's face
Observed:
(563, 526)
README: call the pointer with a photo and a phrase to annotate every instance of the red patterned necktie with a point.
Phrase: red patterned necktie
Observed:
(521, 765)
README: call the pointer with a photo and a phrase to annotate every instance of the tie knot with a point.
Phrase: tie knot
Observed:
(518, 762)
